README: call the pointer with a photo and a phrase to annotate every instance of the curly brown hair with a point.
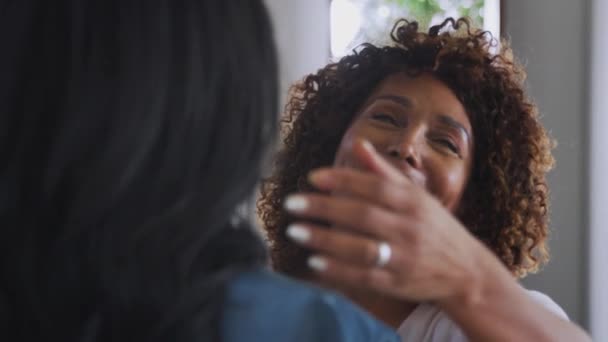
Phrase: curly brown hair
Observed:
(505, 203)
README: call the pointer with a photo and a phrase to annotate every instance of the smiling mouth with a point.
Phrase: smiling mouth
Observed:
(417, 180)
(401, 165)
(408, 171)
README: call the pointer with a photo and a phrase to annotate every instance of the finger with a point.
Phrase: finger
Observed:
(355, 214)
(343, 245)
(364, 185)
(332, 270)
(365, 152)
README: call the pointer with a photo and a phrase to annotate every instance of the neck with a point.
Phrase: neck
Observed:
(388, 310)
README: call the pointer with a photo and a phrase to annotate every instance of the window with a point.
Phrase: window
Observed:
(353, 22)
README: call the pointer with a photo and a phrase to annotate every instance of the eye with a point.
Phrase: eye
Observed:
(386, 118)
(449, 145)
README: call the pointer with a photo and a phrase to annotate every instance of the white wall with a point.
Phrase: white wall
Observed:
(550, 36)
(598, 174)
(302, 34)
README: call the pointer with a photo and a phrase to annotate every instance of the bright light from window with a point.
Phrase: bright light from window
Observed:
(345, 23)
(491, 17)
(384, 11)
(360, 21)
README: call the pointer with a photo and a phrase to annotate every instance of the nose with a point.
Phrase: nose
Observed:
(406, 148)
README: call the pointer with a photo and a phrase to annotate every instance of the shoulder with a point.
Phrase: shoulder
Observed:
(428, 323)
(548, 303)
(263, 306)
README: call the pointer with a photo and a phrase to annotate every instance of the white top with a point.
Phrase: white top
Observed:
(429, 324)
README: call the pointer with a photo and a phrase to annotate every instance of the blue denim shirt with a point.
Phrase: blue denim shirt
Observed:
(263, 306)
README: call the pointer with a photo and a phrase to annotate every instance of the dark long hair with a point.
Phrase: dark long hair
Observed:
(131, 132)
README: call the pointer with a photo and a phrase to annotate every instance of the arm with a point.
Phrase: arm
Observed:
(434, 258)
(493, 307)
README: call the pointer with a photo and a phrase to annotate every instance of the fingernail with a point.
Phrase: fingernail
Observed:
(298, 233)
(317, 263)
(367, 145)
(296, 203)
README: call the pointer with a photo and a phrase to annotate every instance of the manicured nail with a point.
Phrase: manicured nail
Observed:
(296, 203)
(317, 263)
(298, 233)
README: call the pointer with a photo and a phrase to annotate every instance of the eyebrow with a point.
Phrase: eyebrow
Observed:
(403, 101)
(455, 124)
(445, 119)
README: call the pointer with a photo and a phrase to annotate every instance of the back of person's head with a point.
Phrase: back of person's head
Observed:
(131, 133)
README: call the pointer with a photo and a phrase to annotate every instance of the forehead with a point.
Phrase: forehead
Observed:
(424, 92)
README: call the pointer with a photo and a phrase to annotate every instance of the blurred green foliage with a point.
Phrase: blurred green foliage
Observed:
(424, 10)
(379, 16)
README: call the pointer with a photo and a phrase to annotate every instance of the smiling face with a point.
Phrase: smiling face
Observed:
(420, 126)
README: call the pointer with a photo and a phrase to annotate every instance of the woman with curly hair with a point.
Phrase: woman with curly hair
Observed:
(416, 175)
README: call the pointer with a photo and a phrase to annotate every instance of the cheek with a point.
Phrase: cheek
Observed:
(344, 155)
(361, 130)
(344, 149)
(448, 184)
